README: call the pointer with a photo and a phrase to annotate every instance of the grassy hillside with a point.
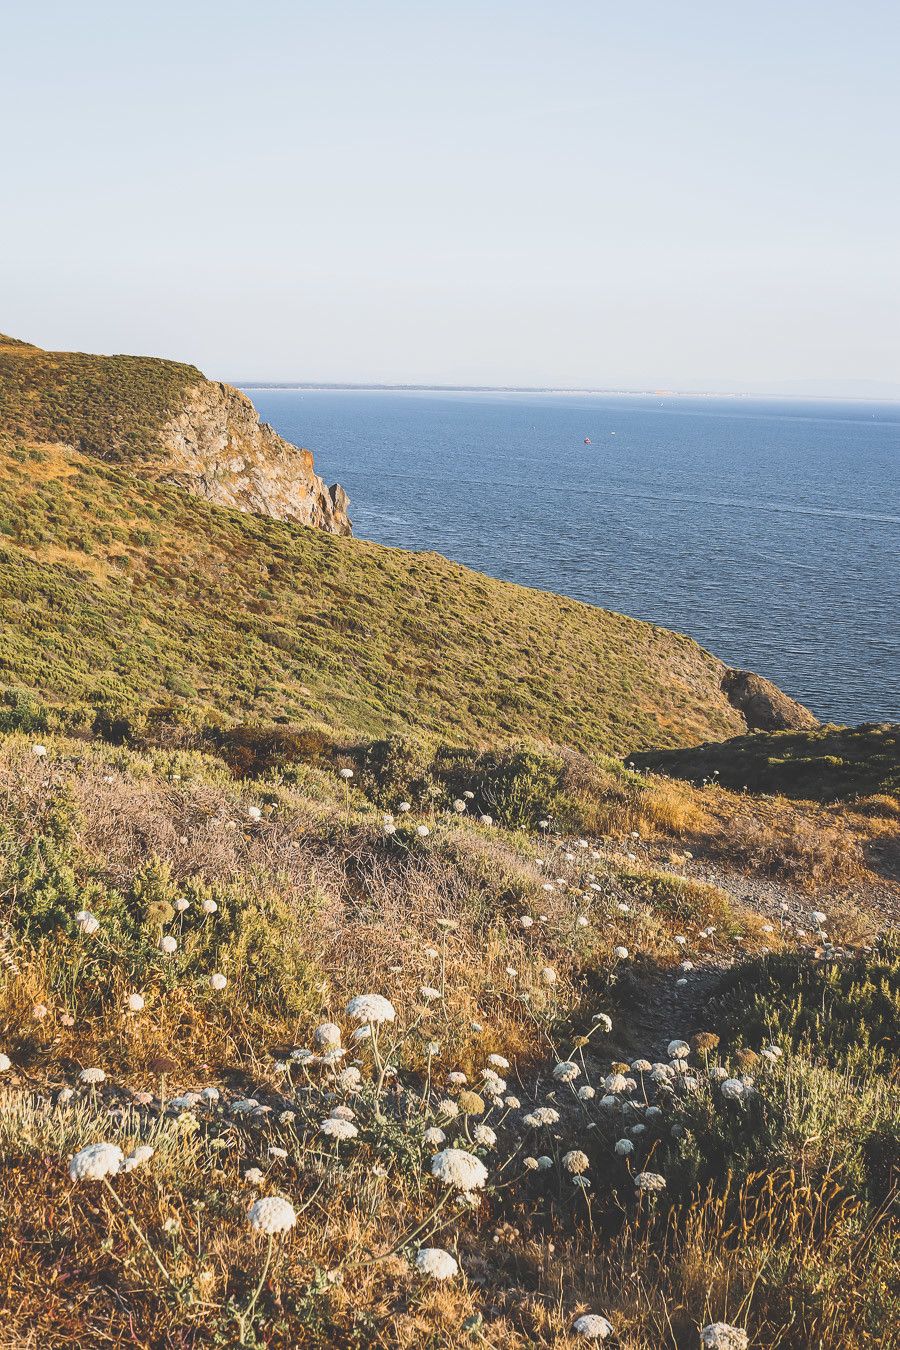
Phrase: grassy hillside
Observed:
(109, 406)
(546, 970)
(118, 592)
(829, 764)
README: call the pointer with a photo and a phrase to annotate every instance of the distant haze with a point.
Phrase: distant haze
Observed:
(696, 196)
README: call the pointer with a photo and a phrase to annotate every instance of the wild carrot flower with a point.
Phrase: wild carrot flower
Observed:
(484, 1135)
(209, 907)
(586, 1093)
(721, 1336)
(621, 953)
(336, 1128)
(436, 1263)
(218, 981)
(92, 1076)
(96, 1162)
(87, 922)
(433, 1137)
(623, 1147)
(254, 813)
(732, 1089)
(459, 1169)
(168, 945)
(142, 1154)
(541, 1116)
(651, 1182)
(575, 1161)
(371, 1008)
(271, 1214)
(592, 1327)
(327, 1036)
(422, 831)
(566, 1071)
(5, 1063)
(346, 774)
(548, 975)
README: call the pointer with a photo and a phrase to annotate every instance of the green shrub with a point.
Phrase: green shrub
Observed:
(841, 1011)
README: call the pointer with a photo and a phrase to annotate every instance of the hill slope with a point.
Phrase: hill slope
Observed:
(118, 589)
(163, 419)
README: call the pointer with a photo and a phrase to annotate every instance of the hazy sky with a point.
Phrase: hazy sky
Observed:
(567, 192)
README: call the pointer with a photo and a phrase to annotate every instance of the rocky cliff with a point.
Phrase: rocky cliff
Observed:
(216, 447)
(164, 420)
(763, 706)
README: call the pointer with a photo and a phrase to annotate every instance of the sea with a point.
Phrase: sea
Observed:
(769, 531)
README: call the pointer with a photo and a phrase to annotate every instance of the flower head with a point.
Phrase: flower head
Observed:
(650, 1181)
(436, 1263)
(592, 1327)
(335, 1127)
(96, 1162)
(721, 1336)
(87, 922)
(459, 1169)
(271, 1214)
(566, 1071)
(92, 1076)
(371, 1008)
(218, 981)
(575, 1161)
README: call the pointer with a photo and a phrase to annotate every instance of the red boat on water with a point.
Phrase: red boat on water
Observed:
(587, 440)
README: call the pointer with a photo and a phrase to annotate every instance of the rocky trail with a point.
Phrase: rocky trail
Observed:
(665, 1003)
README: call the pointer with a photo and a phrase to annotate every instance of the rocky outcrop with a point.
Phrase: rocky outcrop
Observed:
(763, 705)
(216, 447)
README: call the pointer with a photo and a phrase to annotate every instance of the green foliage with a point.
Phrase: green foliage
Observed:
(398, 768)
(829, 764)
(21, 710)
(517, 787)
(110, 406)
(841, 1011)
(803, 1116)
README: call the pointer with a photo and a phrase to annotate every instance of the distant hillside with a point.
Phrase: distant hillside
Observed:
(828, 764)
(163, 419)
(120, 591)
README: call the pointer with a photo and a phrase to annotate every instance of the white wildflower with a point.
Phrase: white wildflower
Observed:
(372, 1008)
(592, 1327)
(436, 1263)
(457, 1168)
(336, 1128)
(96, 1162)
(271, 1214)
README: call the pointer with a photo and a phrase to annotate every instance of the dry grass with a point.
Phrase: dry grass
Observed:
(315, 904)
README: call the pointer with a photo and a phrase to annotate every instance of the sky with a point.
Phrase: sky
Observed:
(567, 193)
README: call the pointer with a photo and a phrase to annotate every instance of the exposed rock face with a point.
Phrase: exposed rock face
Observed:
(762, 704)
(216, 447)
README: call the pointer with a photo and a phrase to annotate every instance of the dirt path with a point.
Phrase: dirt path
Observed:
(666, 1004)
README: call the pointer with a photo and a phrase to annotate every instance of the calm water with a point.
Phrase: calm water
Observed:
(767, 531)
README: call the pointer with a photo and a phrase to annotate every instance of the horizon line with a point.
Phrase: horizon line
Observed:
(376, 387)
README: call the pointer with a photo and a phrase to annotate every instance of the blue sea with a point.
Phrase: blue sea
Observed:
(768, 531)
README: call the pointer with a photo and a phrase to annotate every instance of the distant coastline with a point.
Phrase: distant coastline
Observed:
(350, 387)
